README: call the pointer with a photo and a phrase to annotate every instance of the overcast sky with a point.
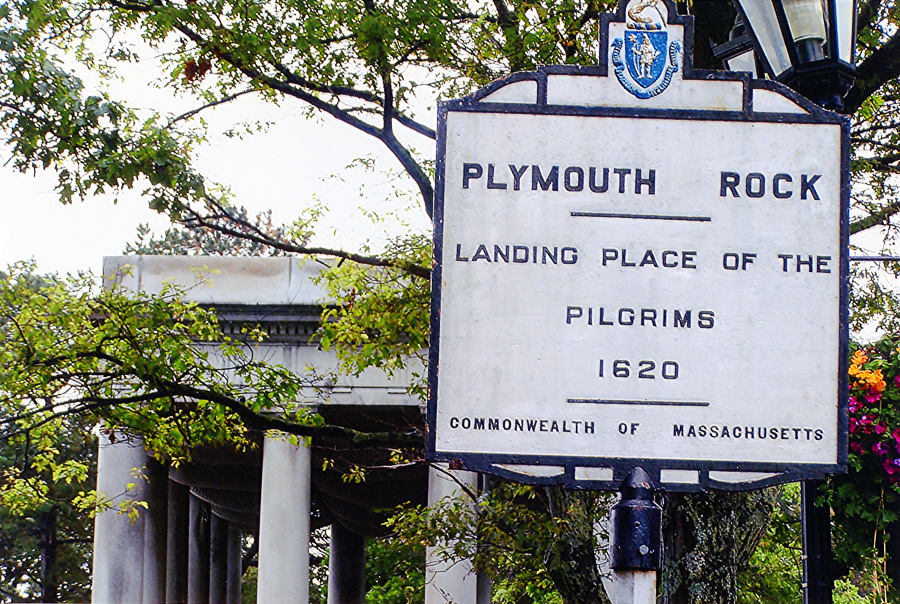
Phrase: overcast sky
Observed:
(285, 169)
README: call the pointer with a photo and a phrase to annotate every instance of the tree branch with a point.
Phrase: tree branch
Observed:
(248, 231)
(877, 143)
(261, 421)
(882, 127)
(254, 420)
(885, 162)
(387, 107)
(882, 216)
(293, 78)
(135, 7)
(278, 85)
(879, 68)
(210, 105)
(72, 407)
(400, 152)
(426, 189)
(74, 540)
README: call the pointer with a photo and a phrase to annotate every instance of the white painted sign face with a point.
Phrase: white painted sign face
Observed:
(653, 289)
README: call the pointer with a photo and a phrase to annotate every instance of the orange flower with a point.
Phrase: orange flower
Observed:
(869, 379)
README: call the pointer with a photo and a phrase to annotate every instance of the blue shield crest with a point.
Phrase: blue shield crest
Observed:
(645, 55)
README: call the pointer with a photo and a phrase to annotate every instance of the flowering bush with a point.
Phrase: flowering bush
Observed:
(866, 500)
(873, 423)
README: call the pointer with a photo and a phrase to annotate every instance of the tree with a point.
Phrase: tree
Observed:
(45, 536)
(184, 240)
(45, 544)
(366, 64)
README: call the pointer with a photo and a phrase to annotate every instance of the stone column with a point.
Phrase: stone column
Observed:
(177, 543)
(451, 581)
(118, 542)
(346, 567)
(198, 551)
(235, 571)
(218, 559)
(284, 523)
(155, 529)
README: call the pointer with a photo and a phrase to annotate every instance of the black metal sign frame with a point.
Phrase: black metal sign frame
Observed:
(767, 473)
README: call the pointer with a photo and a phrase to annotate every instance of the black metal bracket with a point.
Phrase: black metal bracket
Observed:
(637, 525)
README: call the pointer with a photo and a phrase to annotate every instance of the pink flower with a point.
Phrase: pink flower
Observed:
(873, 397)
(856, 448)
(880, 429)
(880, 449)
(897, 380)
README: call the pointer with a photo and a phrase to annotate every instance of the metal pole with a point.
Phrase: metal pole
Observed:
(817, 579)
(636, 541)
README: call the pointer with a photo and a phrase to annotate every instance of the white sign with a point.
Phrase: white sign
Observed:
(658, 287)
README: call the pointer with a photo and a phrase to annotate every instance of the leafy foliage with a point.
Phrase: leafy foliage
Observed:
(45, 544)
(394, 572)
(383, 318)
(92, 142)
(357, 62)
(866, 500)
(45, 538)
(157, 366)
(774, 570)
(535, 543)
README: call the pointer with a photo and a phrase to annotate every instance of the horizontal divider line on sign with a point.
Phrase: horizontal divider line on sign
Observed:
(640, 216)
(602, 401)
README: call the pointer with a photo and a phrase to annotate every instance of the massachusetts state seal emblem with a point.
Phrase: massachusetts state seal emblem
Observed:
(644, 58)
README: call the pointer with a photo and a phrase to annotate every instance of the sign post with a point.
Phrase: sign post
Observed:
(640, 265)
(636, 536)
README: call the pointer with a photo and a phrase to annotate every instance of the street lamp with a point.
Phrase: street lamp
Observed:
(737, 53)
(806, 44)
